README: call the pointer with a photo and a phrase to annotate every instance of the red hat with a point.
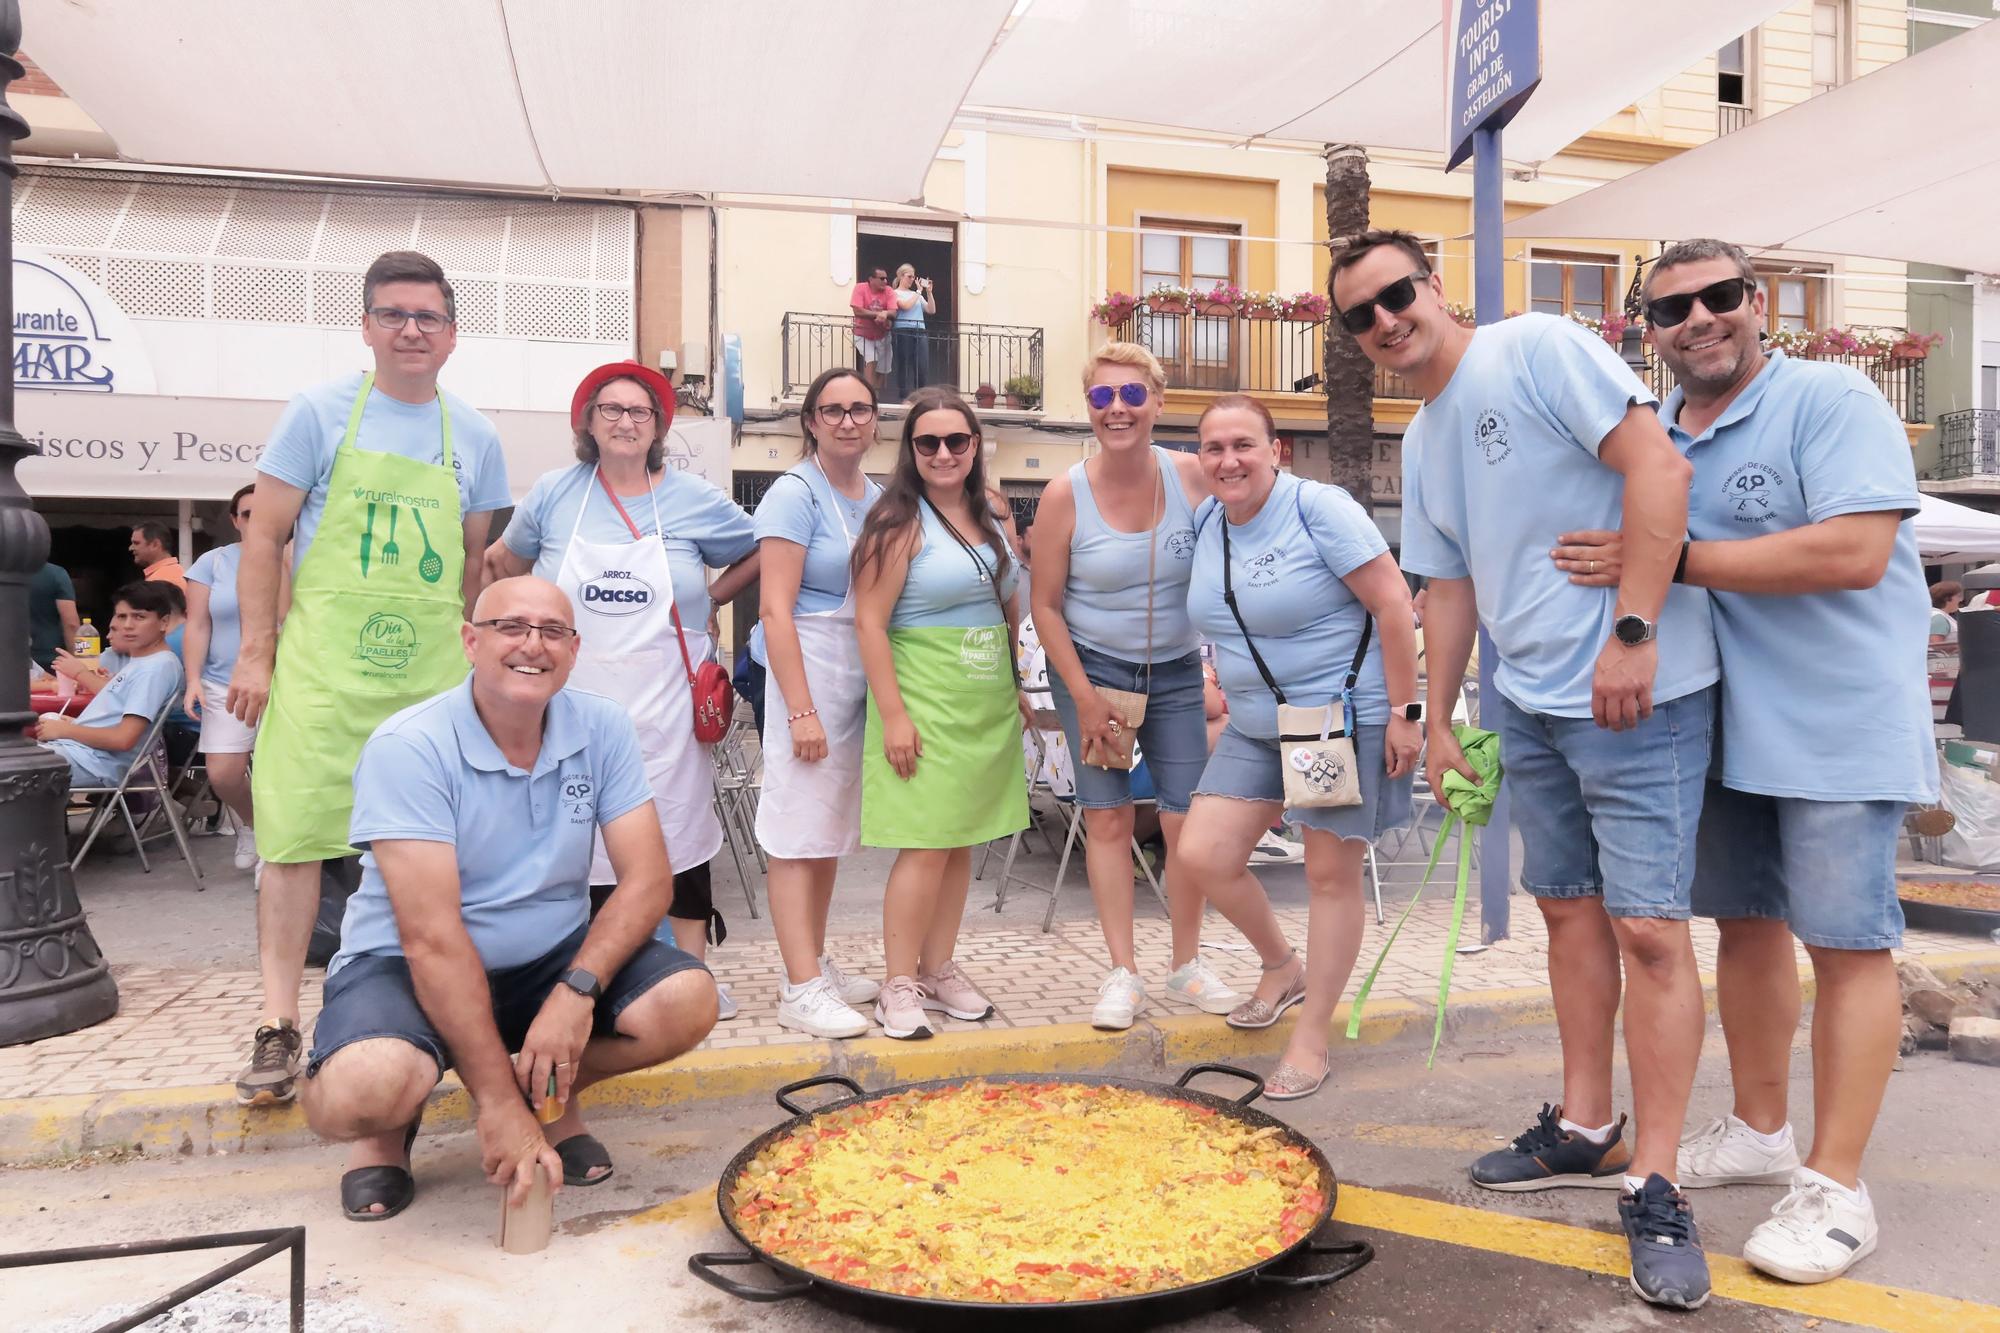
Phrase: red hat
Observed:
(661, 386)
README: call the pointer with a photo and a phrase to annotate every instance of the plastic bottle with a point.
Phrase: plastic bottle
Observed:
(88, 642)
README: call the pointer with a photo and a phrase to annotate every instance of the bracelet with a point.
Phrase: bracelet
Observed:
(793, 717)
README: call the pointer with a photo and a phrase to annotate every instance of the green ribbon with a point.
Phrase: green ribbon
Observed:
(1466, 802)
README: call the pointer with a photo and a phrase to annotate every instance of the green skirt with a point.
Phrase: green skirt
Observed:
(971, 783)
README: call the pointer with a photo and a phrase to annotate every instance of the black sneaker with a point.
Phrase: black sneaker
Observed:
(272, 1074)
(1548, 1156)
(1668, 1266)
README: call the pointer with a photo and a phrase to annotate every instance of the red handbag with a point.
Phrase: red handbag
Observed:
(709, 685)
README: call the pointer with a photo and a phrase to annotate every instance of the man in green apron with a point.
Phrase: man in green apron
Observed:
(389, 481)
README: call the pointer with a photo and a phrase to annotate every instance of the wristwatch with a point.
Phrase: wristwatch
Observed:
(1408, 712)
(584, 983)
(1634, 630)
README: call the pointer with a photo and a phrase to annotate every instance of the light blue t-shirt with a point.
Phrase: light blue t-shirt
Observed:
(1823, 694)
(140, 687)
(216, 571)
(308, 436)
(703, 527)
(1286, 567)
(806, 511)
(910, 316)
(432, 773)
(1104, 598)
(944, 589)
(1502, 463)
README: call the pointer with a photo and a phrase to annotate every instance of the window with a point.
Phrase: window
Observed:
(1829, 44)
(1731, 88)
(1198, 261)
(1566, 284)
(1793, 300)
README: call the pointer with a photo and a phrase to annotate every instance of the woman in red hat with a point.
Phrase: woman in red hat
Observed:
(631, 541)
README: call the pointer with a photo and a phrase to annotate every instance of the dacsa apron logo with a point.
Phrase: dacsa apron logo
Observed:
(617, 592)
(387, 640)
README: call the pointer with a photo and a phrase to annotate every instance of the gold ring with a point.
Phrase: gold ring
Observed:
(1116, 726)
(1593, 566)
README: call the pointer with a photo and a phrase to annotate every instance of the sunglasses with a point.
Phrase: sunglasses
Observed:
(927, 445)
(1395, 298)
(1718, 298)
(1099, 396)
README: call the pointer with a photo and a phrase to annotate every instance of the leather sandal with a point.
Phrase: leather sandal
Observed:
(581, 1153)
(391, 1186)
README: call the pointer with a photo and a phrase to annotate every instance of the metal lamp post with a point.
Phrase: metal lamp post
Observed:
(1632, 342)
(52, 977)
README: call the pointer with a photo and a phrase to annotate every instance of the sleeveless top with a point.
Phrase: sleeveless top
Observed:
(1104, 600)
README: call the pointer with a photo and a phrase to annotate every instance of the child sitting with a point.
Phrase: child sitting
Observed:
(134, 682)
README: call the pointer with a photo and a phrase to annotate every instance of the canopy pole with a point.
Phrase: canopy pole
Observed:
(1489, 221)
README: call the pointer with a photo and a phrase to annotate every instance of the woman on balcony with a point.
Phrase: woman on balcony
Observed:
(936, 620)
(1114, 544)
(910, 355)
(810, 813)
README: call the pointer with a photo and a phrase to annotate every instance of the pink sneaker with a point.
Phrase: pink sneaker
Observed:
(950, 990)
(900, 1010)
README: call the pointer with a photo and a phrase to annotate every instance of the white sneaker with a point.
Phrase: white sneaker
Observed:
(900, 1010)
(1729, 1152)
(1119, 1001)
(246, 849)
(725, 1007)
(1815, 1233)
(1200, 987)
(1272, 850)
(816, 1009)
(851, 990)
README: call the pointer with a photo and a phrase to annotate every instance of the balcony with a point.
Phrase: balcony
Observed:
(1901, 381)
(1003, 357)
(1968, 444)
(1730, 118)
(1229, 353)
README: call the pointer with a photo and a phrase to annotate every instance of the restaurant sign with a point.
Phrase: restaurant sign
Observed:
(69, 335)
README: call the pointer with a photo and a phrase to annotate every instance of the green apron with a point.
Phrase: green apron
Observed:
(374, 628)
(971, 783)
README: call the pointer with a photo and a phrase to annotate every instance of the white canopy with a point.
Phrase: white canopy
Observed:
(1903, 164)
(1955, 534)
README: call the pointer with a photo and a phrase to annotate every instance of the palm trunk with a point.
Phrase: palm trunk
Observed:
(1350, 378)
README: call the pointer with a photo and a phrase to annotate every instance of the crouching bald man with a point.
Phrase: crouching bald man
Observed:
(471, 934)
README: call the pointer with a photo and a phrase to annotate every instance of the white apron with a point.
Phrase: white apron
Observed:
(623, 593)
(814, 810)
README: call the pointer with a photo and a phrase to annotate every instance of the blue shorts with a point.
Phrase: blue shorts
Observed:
(373, 996)
(1247, 768)
(1610, 813)
(1173, 739)
(1826, 868)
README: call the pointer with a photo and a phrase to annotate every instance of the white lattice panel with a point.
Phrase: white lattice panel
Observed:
(161, 289)
(53, 210)
(260, 295)
(478, 305)
(359, 227)
(551, 242)
(173, 219)
(465, 235)
(544, 310)
(271, 224)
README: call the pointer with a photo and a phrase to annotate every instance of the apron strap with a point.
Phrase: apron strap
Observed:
(361, 404)
(991, 576)
(673, 603)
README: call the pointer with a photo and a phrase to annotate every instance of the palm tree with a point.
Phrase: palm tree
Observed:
(1349, 378)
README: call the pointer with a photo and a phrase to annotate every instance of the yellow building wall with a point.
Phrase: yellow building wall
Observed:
(1132, 196)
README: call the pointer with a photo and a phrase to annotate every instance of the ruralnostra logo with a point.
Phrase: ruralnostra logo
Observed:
(387, 640)
(616, 592)
(1489, 432)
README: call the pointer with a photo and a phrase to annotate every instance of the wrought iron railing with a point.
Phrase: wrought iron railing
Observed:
(1968, 444)
(1901, 382)
(1229, 353)
(1002, 357)
(1730, 118)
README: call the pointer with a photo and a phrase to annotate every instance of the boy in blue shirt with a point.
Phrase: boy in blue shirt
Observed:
(1802, 482)
(143, 677)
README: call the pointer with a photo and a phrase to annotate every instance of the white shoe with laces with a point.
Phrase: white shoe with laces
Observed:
(1815, 1233)
(851, 990)
(1729, 1152)
(725, 1006)
(1196, 983)
(900, 1010)
(1119, 1001)
(246, 848)
(1272, 850)
(817, 1010)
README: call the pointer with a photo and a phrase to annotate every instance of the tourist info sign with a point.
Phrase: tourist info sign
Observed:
(1496, 61)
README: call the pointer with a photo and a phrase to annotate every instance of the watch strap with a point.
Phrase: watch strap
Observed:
(584, 983)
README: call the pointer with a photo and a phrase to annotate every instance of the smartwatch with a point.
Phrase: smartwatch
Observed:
(1408, 712)
(1632, 630)
(583, 983)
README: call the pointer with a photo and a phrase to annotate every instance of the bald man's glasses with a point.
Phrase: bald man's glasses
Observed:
(517, 631)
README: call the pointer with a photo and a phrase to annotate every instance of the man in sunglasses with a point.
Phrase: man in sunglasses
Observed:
(1605, 703)
(470, 943)
(1802, 482)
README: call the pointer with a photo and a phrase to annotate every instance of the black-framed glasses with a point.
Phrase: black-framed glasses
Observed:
(1718, 298)
(1395, 298)
(641, 414)
(831, 414)
(516, 631)
(927, 445)
(393, 319)
(1132, 394)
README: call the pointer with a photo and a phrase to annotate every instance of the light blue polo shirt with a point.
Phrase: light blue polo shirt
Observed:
(1502, 463)
(216, 571)
(432, 773)
(1286, 567)
(1824, 694)
(704, 529)
(802, 507)
(139, 687)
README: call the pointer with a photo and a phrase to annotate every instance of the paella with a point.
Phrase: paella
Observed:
(1026, 1192)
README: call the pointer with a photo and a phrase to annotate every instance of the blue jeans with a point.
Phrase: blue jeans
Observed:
(1173, 739)
(1248, 768)
(1826, 868)
(909, 365)
(1610, 813)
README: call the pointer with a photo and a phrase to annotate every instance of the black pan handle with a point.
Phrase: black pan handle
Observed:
(1256, 1080)
(818, 1080)
(703, 1266)
(1361, 1255)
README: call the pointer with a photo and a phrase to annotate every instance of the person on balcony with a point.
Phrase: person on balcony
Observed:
(910, 360)
(874, 305)
(1110, 603)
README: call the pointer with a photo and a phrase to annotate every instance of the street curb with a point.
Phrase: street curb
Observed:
(200, 1121)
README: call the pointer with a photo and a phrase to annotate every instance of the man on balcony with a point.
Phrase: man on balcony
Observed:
(1802, 483)
(874, 304)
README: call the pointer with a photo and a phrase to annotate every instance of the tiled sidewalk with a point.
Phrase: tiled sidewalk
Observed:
(184, 1028)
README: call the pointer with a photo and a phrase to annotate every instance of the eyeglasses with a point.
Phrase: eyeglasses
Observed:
(1718, 298)
(393, 319)
(1134, 394)
(1395, 298)
(515, 631)
(927, 445)
(612, 411)
(831, 414)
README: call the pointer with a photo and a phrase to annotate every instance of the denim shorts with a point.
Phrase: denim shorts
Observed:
(1173, 739)
(1826, 868)
(1609, 813)
(373, 996)
(1247, 768)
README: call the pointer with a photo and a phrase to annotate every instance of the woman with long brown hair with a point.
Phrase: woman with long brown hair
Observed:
(936, 619)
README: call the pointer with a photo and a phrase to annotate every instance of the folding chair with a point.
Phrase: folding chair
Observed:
(1069, 843)
(146, 773)
(736, 788)
(1036, 756)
